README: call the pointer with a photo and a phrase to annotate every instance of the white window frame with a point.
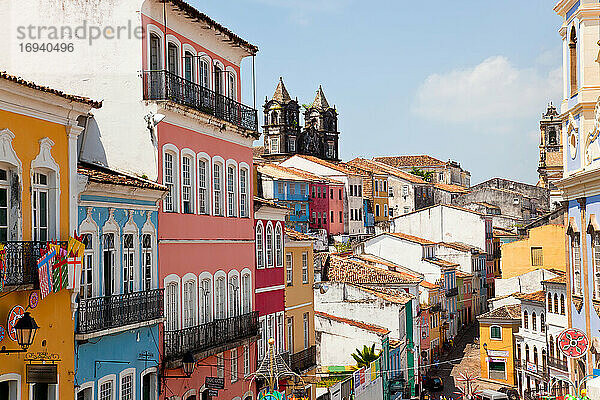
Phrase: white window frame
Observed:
(205, 80)
(189, 302)
(129, 263)
(233, 356)
(220, 365)
(306, 326)
(218, 171)
(112, 378)
(496, 326)
(289, 268)
(220, 295)
(260, 245)
(269, 245)
(234, 288)
(278, 245)
(172, 311)
(246, 360)
(231, 186)
(188, 182)
(12, 377)
(244, 186)
(305, 276)
(204, 189)
(148, 371)
(290, 334)
(172, 183)
(246, 292)
(122, 375)
(37, 190)
(205, 296)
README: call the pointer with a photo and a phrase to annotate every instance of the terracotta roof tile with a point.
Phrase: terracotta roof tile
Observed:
(384, 169)
(270, 203)
(410, 238)
(450, 188)
(411, 161)
(373, 260)
(342, 269)
(99, 174)
(538, 296)
(258, 151)
(502, 232)
(461, 247)
(559, 279)
(340, 167)
(488, 205)
(393, 295)
(23, 82)
(461, 274)
(295, 235)
(368, 327)
(440, 262)
(507, 312)
(293, 174)
(429, 285)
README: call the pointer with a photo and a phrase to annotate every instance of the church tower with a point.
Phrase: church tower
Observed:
(550, 167)
(282, 124)
(320, 135)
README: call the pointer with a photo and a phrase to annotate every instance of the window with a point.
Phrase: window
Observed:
(172, 311)
(339, 194)
(189, 304)
(562, 304)
(278, 247)
(313, 192)
(292, 188)
(231, 85)
(246, 360)
(128, 263)
(269, 246)
(220, 365)
(231, 204)
(549, 302)
(40, 206)
(497, 370)
(246, 294)
(127, 389)
(331, 193)
(331, 216)
(234, 365)
(377, 210)
(204, 74)
(290, 334)
(274, 142)
(359, 190)
(168, 180)
(186, 185)
(87, 269)
(202, 186)
(288, 269)
(525, 320)
(576, 264)
(305, 267)
(106, 391)
(147, 264)
(324, 218)
(306, 331)
(542, 323)
(385, 210)
(188, 66)
(303, 189)
(206, 293)
(244, 193)
(234, 292)
(404, 190)
(154, 52)
(573, 61)
(555, 303)
(376, 184)
(108, 242)
(260, 260)
(292, 145)
(217, 189)
(533, 321)
(173, 58)
(330, 150)
(220, 298)
(537, 257)
(495, 332)
(406, 210)
(341, 219)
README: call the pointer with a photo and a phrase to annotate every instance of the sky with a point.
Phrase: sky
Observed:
(464, 80)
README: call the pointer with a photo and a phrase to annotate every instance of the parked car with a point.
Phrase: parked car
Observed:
(512, 393)
(433, 384)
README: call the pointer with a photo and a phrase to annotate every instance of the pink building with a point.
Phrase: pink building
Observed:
(327, 205)
(206, 228)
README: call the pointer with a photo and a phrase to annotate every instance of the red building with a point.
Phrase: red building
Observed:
(206, 228)
(326, 205)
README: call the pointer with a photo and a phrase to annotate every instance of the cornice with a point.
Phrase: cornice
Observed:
(583, 183)
(563, 6)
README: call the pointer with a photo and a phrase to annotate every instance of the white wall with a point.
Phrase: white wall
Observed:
(526, 283)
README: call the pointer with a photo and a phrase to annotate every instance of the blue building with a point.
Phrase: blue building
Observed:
(119, 306)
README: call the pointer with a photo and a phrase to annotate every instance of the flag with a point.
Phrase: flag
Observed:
(2, 266)
(44, 273)
(361, 374)
(368, 375)
(59, 268)
(374, 369)
(74, 262)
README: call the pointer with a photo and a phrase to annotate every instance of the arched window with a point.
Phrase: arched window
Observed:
(542, 323)
(527, 352)
(246, 293)
(231, 88)
(244, 193)
(533, 321)
(525, 320)
(87, 270)
(189, 303)
(549, 302)
(108, 259)
(172, 310)
(260, 240)
(573, 60)
(551, 346)
(555, 303)
(234, 299)
(169, 180)
(189, 66)
(155, 59)
(203, 184)
(535, 355)
(173, 58)
(128, 263)
(204, 73)
(206, 301)
(219, 80)
(269, 243)
(218, 189)
(231, 203)
(576, 264)
(278, 246)
(519, 354)
(220, 310)
(187, 184)
(544, 361)
(147, 261)
(562, 304)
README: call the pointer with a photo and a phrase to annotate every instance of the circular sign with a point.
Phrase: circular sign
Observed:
(573, 343)
(34, 299)
(1, 333)
(13, 316)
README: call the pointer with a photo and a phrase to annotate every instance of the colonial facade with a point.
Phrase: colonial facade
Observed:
(550, 167)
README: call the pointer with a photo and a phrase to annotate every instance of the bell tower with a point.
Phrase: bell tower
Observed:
(320, 134)
(550, 166)
(281, 124)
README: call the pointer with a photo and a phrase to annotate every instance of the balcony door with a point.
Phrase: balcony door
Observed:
(109, 263)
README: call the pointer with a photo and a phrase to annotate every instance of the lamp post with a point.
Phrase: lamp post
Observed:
(187, 365)
(25, 328)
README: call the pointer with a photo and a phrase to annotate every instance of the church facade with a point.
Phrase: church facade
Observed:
(282, 132)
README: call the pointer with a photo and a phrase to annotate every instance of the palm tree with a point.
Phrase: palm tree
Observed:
(366, 356)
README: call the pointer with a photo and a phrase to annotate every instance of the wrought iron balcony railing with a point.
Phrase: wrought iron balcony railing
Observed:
(303, 360)
(100, 313)
(452, 292)
(558, 364)
(212, 334)
(21, 261)
(164, 85)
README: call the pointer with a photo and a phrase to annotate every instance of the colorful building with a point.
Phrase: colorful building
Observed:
(38, 188)
(299, 308)
(431, 323)
(465, 312)
(496, 343)
(375, 184)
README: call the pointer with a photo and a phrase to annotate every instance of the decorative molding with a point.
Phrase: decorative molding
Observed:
(7, 152)
(577, 302)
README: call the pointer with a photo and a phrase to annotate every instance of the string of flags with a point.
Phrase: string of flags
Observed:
(60, 268)
(365, 376)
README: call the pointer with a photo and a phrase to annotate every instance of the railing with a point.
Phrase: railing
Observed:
(435, 308)
(539, 369)
(303, 360)
(21, 259)
(100, 313)
(558, 363)
(206, 336)
(164, 85)
(452, 292)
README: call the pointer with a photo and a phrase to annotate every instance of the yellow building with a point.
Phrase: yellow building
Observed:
(544, 247)
(299, 307)
(432, 310)
(496, 343)
(375, 187)
(38, 178)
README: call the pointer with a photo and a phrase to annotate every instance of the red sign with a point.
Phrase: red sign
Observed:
(573, 343)
(13, 316)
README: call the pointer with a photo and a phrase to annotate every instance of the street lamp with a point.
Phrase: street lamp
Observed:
(188, 364)
(25, 329)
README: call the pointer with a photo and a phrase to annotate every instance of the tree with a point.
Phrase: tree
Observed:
(366, 356)
(419, 172)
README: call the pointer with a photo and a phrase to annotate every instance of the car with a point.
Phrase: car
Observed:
(433, 384)
(512, 393)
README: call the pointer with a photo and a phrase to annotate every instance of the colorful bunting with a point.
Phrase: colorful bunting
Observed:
(75, 250)
(2, 267)
(44, 272)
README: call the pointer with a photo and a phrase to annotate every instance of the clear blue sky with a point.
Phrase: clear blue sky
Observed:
(466, 80)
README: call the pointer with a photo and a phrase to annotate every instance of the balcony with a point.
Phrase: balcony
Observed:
(109, 312)
(558, 364)
(304, 360)
(163, 85)
(213, 334)
(21, 262)
(452, 292)
(532, 368)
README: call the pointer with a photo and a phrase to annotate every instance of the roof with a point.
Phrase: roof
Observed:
(450, 188)
(507, 312)
(428, 285)
(503, 232)
(293, 174)
(258, 151)
(397, 296)
(440, 262)
(320, 100)
(341, 167)
(410, 161)
(342, 269)
(384, 169)
(443, 205)
(461, 274)
(281, 94)
(559, 279)
(488, 205)
(372, 259)
(538, 296)
(269, 203)
(410, 238)
(100, 174)
(32, 85)
(193, 13)
(368, 327)
(460, 246)
(295, 235)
